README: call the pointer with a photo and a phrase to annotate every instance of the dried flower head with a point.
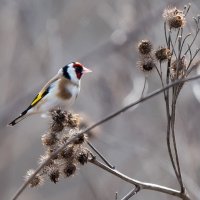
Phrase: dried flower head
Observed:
(72, 120)
(174, 17)
(49, 139)
(36, 181)
(163, 54)
(178, 69)
(58, 119)
(68, 153)
(146, 64)
(58, 116)
(82, 156)
(57, 127)
(54, 174)
(145, 47)
(80, 139)
(69, 169)
(64, 126)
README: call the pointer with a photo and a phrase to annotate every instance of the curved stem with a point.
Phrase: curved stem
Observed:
(197, 32)
(169, 120)
(174, 140)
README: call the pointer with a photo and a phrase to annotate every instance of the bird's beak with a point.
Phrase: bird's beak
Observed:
(86, 70)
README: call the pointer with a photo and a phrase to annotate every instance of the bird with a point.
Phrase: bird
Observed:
(59, 92)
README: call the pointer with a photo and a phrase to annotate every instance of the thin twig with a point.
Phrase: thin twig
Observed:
(187, 9)
(173, 49)
(168, 113)
(131, 193)
(100, 155)
(185, 40)
(197, 32)
(161, 79)
(109, 117)
(174, 141)
(194, 66)
(191, 60)
(145, 82)
(139, 184)
(177, 35)
(116, 195)
(165, 31)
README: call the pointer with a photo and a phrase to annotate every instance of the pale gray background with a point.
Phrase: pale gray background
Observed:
(37, 37)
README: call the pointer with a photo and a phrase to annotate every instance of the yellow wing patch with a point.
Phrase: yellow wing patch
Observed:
(37, 99)
(40, 95)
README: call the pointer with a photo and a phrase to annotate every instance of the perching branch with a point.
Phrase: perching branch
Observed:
(109, 117)
(139, 184)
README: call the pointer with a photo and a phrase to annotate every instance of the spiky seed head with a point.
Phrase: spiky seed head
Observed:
(69, 169)
(80, 139)
(58, 119)
(144, 47)
(54, 174)
(49, 139)
(73, 120)
(174, 17)
(64, 138)
(178, 68)
(68, 153)
(36, 181)
(146, 64)
(163, 54)
(58, 115)
(177, 21)
(82, 156)
(57, 126)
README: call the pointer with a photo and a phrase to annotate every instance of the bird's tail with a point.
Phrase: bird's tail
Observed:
(23, 115)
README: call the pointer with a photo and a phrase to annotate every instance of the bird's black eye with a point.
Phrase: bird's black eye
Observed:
(79, 69)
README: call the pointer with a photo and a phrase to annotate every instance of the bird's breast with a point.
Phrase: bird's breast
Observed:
(67, 90)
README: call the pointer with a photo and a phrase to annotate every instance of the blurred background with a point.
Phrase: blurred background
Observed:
(37, 38)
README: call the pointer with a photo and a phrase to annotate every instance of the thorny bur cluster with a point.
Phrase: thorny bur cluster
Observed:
(64, 125)
(176, 49)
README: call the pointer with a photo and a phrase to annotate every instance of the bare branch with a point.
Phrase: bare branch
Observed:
(131, 193)
(138, 184)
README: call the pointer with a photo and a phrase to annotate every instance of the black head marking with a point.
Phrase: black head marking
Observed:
(65, 72)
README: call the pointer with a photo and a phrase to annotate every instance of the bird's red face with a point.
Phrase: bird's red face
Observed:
(80, 69)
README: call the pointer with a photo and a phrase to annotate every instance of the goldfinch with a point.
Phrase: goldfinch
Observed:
(61, 91)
